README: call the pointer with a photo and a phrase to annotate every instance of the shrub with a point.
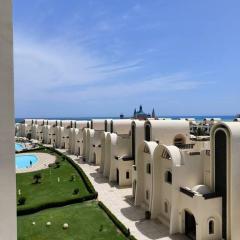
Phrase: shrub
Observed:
(21, 200)
(57, 164)
(37, 178)
(101, 228)
(27, 211)
(76, 191)
(72, 178)
(122, 228)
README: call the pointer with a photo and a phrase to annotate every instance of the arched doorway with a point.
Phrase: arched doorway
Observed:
(94, 158)
(133, 142)
(148, 132)
(111, 127)
(221, 174)
(117, 171)
(190, 225)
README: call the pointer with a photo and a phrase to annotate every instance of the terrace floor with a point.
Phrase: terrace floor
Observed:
(118, 200)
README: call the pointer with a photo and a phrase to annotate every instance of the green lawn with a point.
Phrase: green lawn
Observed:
(86, 221)
(50, 190)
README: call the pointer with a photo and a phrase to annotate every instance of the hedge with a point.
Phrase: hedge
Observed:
(119, 225)
(45, 206)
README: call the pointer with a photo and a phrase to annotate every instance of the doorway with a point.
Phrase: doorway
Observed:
(117, 176)
(190, 225)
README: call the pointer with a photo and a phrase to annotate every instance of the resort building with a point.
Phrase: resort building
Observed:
(49, 130)
(8, 226)
(92, 140)
(76, 137)
(120, 150)
(225, 177)
(168, 132)
(37, 129)
(141, 115)
(26, 128)
(63, 132)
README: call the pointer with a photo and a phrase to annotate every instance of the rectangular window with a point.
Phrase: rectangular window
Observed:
(148, 168)
(147, 195)
(127, 175)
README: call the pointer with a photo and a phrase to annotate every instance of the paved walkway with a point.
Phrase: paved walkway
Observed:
(118, 200)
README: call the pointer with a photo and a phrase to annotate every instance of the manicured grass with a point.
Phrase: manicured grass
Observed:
(50, 190)
(86, 221)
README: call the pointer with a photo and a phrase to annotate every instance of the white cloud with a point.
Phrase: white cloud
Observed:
(47, 65)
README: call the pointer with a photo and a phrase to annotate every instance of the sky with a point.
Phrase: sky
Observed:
(96, 58)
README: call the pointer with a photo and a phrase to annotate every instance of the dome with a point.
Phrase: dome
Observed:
(201, 189)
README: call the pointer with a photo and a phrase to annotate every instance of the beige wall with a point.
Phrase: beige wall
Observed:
(7, 161)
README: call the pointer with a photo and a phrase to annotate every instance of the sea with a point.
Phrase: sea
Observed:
(226, 118)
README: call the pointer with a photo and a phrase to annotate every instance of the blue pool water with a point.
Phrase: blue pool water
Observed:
(19, 147)
(23, 161)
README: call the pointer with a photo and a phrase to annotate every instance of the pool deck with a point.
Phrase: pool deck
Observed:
(43, 160)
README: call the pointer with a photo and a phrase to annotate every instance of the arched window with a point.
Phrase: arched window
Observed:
(148, 132)
(211, 227)
(168, 177)
(166, 207)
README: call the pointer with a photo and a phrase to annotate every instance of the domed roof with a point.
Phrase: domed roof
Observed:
(201, 189)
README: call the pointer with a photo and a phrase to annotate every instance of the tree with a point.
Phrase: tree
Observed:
(37, 177)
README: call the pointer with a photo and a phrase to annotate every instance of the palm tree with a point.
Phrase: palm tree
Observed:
(37, 177)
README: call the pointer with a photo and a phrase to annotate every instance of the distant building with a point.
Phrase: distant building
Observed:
(141, 115)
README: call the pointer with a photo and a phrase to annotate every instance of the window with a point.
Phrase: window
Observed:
(165, 154)
(127, 175)
(211, 227)
(168, 177)
(165, 207)
(148, 132)
(147, 194)
(148, 168)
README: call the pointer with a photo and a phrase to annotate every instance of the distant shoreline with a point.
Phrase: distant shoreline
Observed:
(198, 118)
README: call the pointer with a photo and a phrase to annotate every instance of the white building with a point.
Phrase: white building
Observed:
(63, 133)
(37, 129)
(8, 228)
(76, 137)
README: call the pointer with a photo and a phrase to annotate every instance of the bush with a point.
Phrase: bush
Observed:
(123, 229)
(44, 206)
(37, 177)
(76, 191)
(72, 178)
(57, 164)
(21, 200)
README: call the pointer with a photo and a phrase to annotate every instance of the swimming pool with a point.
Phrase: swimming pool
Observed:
(23, 161)
(19, 147)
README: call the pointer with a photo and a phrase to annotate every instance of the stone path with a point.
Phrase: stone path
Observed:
(118, 200)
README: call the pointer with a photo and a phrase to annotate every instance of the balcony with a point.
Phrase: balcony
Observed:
(185, 146)
(124, 158)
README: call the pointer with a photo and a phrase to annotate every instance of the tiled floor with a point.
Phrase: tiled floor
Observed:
(118, 200)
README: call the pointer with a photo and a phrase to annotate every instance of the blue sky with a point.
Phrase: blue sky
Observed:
(101, 58)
